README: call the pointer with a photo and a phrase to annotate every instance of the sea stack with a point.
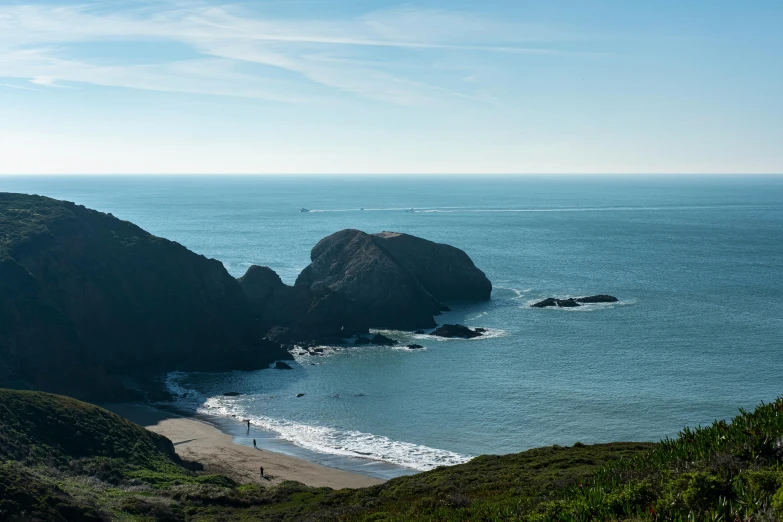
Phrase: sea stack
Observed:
(399, 281)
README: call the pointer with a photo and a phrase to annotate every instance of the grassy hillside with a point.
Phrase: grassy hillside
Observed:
(61, 459)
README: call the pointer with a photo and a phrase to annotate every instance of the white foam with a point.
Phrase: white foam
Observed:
(502, 292)
(305, 357)
(337, 442)
(393, 209)
(173, 380)
(598, 209)
(321, 439)
(490, 333)
(404, 348)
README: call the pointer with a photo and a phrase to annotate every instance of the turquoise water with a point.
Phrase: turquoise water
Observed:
(698, 332)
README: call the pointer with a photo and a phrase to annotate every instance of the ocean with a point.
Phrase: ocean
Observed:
(697, 263)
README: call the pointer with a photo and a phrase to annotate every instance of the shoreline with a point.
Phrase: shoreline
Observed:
(201, 441)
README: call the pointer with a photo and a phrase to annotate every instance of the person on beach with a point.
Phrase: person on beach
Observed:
(248, 424)
(254, 443)
(262, 471)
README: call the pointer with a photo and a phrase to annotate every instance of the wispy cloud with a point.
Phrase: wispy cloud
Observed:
(239, 52)
(11, 86)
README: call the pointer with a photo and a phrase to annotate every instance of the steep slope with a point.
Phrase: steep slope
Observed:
(41, 428)
(298, 313)
(60, 456)
(85, 295)
(446, 272)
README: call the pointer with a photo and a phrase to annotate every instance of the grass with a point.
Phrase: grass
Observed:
(61, 459)
(724, 472)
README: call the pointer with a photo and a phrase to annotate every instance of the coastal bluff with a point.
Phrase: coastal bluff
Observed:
(85, 297)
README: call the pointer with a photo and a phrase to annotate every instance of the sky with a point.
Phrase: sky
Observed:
(383, 87)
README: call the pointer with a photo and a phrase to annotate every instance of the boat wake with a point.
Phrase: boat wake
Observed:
(555, 209)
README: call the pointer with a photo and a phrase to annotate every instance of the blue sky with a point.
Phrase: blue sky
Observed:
(372, 86)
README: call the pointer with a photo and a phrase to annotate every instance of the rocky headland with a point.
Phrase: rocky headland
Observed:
(86, 298)
(357, 281)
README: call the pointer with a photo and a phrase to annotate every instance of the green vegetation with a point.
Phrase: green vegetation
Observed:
(61, 459)
(724, 472)
(24, 218)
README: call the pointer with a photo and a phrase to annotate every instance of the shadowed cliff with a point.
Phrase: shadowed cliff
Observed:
(84, 295)
(358, 281)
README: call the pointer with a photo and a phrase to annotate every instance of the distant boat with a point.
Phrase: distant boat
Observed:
(410, 210)
(304, 209)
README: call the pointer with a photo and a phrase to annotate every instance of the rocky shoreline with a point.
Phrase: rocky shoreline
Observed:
(86, 298)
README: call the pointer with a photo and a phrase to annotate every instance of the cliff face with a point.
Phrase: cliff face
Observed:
(84, 295)
(399, 281)
(298, 313)
(446, 272)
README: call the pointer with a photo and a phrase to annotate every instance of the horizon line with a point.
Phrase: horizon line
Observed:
(379, 174)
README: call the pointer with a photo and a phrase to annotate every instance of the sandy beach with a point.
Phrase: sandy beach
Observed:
(199, 441)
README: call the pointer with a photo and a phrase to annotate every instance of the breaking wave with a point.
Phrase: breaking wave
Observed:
(321, 439)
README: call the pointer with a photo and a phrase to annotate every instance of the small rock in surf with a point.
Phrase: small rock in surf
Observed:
(602, 298)
(574, 302)
(382, 340)
(456, 330)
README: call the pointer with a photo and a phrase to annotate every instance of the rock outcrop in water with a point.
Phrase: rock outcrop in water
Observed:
(602, 298)
(85, 296)
(458, 331)
(574, 301)
(399, 281)
(382, 340)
